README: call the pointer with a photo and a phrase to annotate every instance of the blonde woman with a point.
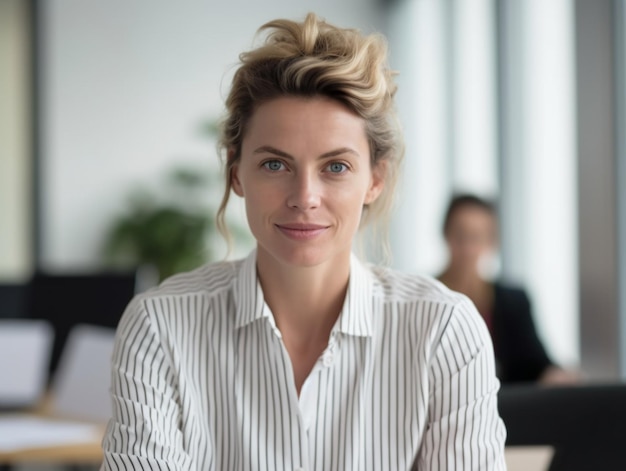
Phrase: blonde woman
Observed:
(301, 356)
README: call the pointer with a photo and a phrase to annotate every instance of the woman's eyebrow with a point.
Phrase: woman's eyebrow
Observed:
(325, 155)
(272, 150)
(340, 151)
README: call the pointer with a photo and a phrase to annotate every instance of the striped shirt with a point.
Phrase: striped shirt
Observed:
(202, 380)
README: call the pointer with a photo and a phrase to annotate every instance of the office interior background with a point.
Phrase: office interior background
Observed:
(521, 101)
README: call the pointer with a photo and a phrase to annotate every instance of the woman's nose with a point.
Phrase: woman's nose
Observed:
(305, 192)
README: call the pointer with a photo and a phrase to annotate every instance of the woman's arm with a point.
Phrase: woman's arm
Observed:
(464, 430)
(144, 431)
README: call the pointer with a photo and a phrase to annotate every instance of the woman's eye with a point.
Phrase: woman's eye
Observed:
(273, 165)
(337, 167)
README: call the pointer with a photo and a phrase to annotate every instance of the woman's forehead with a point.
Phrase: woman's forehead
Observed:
(318, 123)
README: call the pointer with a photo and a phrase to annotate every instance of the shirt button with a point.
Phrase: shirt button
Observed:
(328, 359)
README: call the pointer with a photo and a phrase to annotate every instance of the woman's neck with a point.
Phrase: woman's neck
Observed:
(461, 278)
(305, 301)
(470, 283)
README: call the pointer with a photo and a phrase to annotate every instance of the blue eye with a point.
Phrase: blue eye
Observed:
(273, 165)
(337, 167)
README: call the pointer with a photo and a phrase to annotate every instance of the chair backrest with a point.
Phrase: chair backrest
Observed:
(25, 347)
(585, 424)
(67, 300)
(82, 381)
(12, 300)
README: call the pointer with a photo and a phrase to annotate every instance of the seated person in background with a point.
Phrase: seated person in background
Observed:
(470, 230)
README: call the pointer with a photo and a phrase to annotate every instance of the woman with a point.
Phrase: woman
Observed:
(470, 230)
(300, 356)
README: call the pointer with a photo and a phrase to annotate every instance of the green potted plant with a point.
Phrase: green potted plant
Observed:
(170, 230)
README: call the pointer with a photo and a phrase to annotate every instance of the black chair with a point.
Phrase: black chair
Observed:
(70, 299)
(586, 425)
(13, 300)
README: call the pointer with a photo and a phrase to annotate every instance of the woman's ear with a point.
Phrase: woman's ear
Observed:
(233, 165)
(377, 183)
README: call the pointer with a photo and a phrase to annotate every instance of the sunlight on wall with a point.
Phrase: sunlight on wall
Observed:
(448, 101)
(475, 166)
(551, 269)
(416, 36)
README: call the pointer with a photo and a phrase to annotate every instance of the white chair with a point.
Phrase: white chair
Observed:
(25, 348)
(81, 384)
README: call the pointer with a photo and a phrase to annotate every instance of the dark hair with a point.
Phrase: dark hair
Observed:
(465, 200)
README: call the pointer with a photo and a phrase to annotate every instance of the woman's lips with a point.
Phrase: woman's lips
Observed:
(301, 231)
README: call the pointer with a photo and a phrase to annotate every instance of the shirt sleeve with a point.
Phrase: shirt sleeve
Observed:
(464, 429)
(144, 431)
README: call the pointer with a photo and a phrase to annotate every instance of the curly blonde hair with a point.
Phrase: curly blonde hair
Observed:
(314, 58)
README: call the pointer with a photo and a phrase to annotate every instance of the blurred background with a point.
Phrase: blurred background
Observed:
(108, 112)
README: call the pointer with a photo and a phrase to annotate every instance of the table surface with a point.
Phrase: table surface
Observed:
(523, 458)
(85, 453)
(518, 458)
(81, 453)
(528, 458)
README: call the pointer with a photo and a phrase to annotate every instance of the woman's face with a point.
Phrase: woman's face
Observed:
(471, 235)
(305, 175)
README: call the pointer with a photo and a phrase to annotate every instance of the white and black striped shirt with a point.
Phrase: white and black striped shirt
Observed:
(202, 380)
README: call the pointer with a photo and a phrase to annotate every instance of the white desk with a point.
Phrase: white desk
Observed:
(86, 450)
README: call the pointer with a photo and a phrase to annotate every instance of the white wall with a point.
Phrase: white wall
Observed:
(15, 152)
(446, 55)
(418, 45)
(126, 86)
(539, 187)
(446, 98)
(550, 156)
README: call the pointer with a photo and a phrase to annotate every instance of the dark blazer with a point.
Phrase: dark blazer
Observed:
(520, 355)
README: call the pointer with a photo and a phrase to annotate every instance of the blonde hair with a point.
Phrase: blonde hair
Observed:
(313, 58)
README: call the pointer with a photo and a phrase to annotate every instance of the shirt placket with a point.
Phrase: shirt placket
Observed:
(301, 421)
(310, 391)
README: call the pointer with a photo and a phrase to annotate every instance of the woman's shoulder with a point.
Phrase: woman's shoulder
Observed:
(396, 286)
(429, 303)
(208, 279)
(189, 292)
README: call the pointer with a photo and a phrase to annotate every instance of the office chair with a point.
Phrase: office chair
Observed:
(66, 300)
(12, 300)
(585, 424)
(25, 346)
(80, 388)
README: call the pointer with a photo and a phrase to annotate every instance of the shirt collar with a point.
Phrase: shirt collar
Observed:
(356, 314)
(355, 317)
(248, 294)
